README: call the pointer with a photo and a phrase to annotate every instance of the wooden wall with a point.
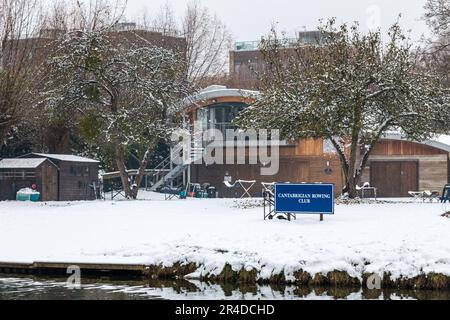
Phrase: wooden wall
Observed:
(294, 169)
(404, 148)
(75, 187)
(305, 162)
(304, 147)
(48, 182)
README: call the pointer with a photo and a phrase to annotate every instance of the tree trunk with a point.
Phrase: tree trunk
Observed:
(351, 179)
(343, 161)
(352, 175)
(140, 174)
(352, 182)
(120, 161)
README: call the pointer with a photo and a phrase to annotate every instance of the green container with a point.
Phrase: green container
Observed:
(201, 194)
(22, 197)
(35, 197)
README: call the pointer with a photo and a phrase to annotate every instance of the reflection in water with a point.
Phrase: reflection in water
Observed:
(43, 288)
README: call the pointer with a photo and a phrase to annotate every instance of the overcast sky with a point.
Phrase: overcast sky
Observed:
(250, 19)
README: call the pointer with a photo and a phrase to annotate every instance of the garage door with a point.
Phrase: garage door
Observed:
(394, 178)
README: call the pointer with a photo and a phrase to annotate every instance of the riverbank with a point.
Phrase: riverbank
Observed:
(218, 240)
(227, 276)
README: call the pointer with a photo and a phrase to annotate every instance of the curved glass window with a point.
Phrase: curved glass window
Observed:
(219, 116)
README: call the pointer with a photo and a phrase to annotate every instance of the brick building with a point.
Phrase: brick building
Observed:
(246, 60)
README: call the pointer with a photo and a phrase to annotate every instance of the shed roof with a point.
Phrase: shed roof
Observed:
(20, 163)
(440, 143)
(65, 157)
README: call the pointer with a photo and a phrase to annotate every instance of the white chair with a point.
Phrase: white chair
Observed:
(246, 185)
(366, 187)
(229, 185)
(268, 186)
(424, 195)
(417, 195)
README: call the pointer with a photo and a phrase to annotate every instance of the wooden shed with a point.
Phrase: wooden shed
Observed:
(16, 174)
(397, 166)
(76, 175)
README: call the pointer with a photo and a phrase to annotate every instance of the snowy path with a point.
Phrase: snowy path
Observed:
(404, 239)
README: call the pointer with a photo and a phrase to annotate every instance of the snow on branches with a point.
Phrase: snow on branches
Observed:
(122, 97)
(350, 88)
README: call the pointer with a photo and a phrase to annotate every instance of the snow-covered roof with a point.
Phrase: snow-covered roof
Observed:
(20, 163)
(66, 157)
(442, 142)
(216, 91)
(443, 139)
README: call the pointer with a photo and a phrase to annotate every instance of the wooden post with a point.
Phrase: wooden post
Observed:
(321, 217)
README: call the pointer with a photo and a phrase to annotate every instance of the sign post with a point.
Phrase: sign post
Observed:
(304, 199)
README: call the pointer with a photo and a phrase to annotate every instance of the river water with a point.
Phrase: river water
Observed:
(45, 288)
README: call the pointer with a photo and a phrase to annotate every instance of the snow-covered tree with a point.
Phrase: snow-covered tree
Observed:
(19, 21)
(351, 89)
(437, 16)
(121, 97)
(437, 51)
(54, 131)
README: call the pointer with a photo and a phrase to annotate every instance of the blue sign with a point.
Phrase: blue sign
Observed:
(304, 198)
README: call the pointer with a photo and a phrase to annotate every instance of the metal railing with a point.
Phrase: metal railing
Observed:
(171, 171)
(302, 38)
(124, 26)
(254, 45)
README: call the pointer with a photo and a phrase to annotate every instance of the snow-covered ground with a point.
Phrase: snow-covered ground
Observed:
(402, 238)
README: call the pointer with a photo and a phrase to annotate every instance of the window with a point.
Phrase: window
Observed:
(237, 67)
(16, 174)
(220, 116)
(202, 118)
(79, 171)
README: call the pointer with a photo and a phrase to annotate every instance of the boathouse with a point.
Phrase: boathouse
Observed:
(395, 168)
